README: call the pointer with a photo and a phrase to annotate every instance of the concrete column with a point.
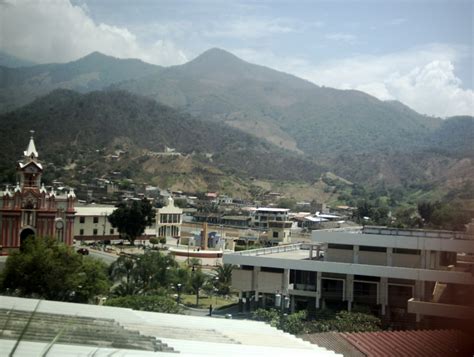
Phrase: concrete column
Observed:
(256, 271)
(389, 257)
(310, 252)
(419, 291)
(241, 305)
(437, 259)
(286, 281)
(382, 294)
(355, 254)
(349, 290)
(423, 259)
(318, 289)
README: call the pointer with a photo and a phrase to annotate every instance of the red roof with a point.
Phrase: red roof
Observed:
(412, 343)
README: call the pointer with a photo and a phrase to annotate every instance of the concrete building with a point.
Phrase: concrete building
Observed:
(91, 223)
(275, 221)
(263, 215)
(169, 220)
(381, 268)
(30, 209)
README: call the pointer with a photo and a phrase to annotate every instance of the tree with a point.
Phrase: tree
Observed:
(287, 203)
(50, 270)
(224, 278)
(344, 321)
(194, 262)
(155, 303)
(154, 241)
(293, 323)
(162, 241)
(131, 219)
(364, 209)
(426, 210)
(145, 274)
(198, 279)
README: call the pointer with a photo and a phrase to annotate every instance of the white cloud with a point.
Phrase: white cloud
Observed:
(422, 78)
(397, 21)
(57, 31)
(343, 37)
(250, 28)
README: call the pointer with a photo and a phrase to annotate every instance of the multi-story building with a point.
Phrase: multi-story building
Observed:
(29, 209)
(261, 216)
(91, 223)
(275, 221)
(381, 268)
(168, 220)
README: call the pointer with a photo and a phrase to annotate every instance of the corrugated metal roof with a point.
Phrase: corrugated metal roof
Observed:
(333, 341)
(432, 343)
(412, 343)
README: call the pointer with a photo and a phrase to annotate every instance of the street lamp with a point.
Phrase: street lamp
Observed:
(216, 289)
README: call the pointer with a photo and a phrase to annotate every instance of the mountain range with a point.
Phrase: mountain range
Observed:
(314, 128)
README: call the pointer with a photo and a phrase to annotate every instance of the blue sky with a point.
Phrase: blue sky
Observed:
(418, 52)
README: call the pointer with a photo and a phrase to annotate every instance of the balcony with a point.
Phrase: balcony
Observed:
(441, 310)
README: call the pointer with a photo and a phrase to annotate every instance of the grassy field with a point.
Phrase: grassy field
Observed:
(205, 301)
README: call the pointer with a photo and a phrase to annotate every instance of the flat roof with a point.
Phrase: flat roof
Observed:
(94, 210)
(271, 209)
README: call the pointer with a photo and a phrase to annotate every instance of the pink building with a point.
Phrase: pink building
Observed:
(31, 210)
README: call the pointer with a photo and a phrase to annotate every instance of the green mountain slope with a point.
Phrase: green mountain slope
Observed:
(285, 110)
(72, 128)
(354, 135)
(19, 86)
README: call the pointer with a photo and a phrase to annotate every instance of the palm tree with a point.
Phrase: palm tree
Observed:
(194, 262)
(198, 279)
(122, 269)
(224, 278)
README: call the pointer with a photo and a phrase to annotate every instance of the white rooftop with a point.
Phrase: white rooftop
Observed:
(188, 335)
(94, 210)
(272, 209)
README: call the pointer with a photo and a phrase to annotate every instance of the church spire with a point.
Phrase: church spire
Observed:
(31, 149)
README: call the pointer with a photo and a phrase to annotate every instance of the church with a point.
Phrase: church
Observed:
(29, 209)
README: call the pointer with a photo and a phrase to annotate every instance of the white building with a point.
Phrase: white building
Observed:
(91, 223)
(169, 220)
(381, 268)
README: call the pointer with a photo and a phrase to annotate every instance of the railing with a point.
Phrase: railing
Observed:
(417, 233)
(271, 250)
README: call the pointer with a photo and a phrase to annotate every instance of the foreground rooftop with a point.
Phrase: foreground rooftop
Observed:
(187, 335)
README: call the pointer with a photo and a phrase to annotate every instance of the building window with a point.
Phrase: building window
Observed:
(275, 234)
(94, 232)
(96, 219)
(111, 231)
(365, 248)
(81, 232)
(406, 251)
(82, 219)
(340, 246)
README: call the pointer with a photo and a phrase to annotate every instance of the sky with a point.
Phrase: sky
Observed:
(415, 51)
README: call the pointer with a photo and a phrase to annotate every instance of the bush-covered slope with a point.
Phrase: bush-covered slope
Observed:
(69, 125)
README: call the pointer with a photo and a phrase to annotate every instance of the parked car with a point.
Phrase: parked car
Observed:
(83, 251)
